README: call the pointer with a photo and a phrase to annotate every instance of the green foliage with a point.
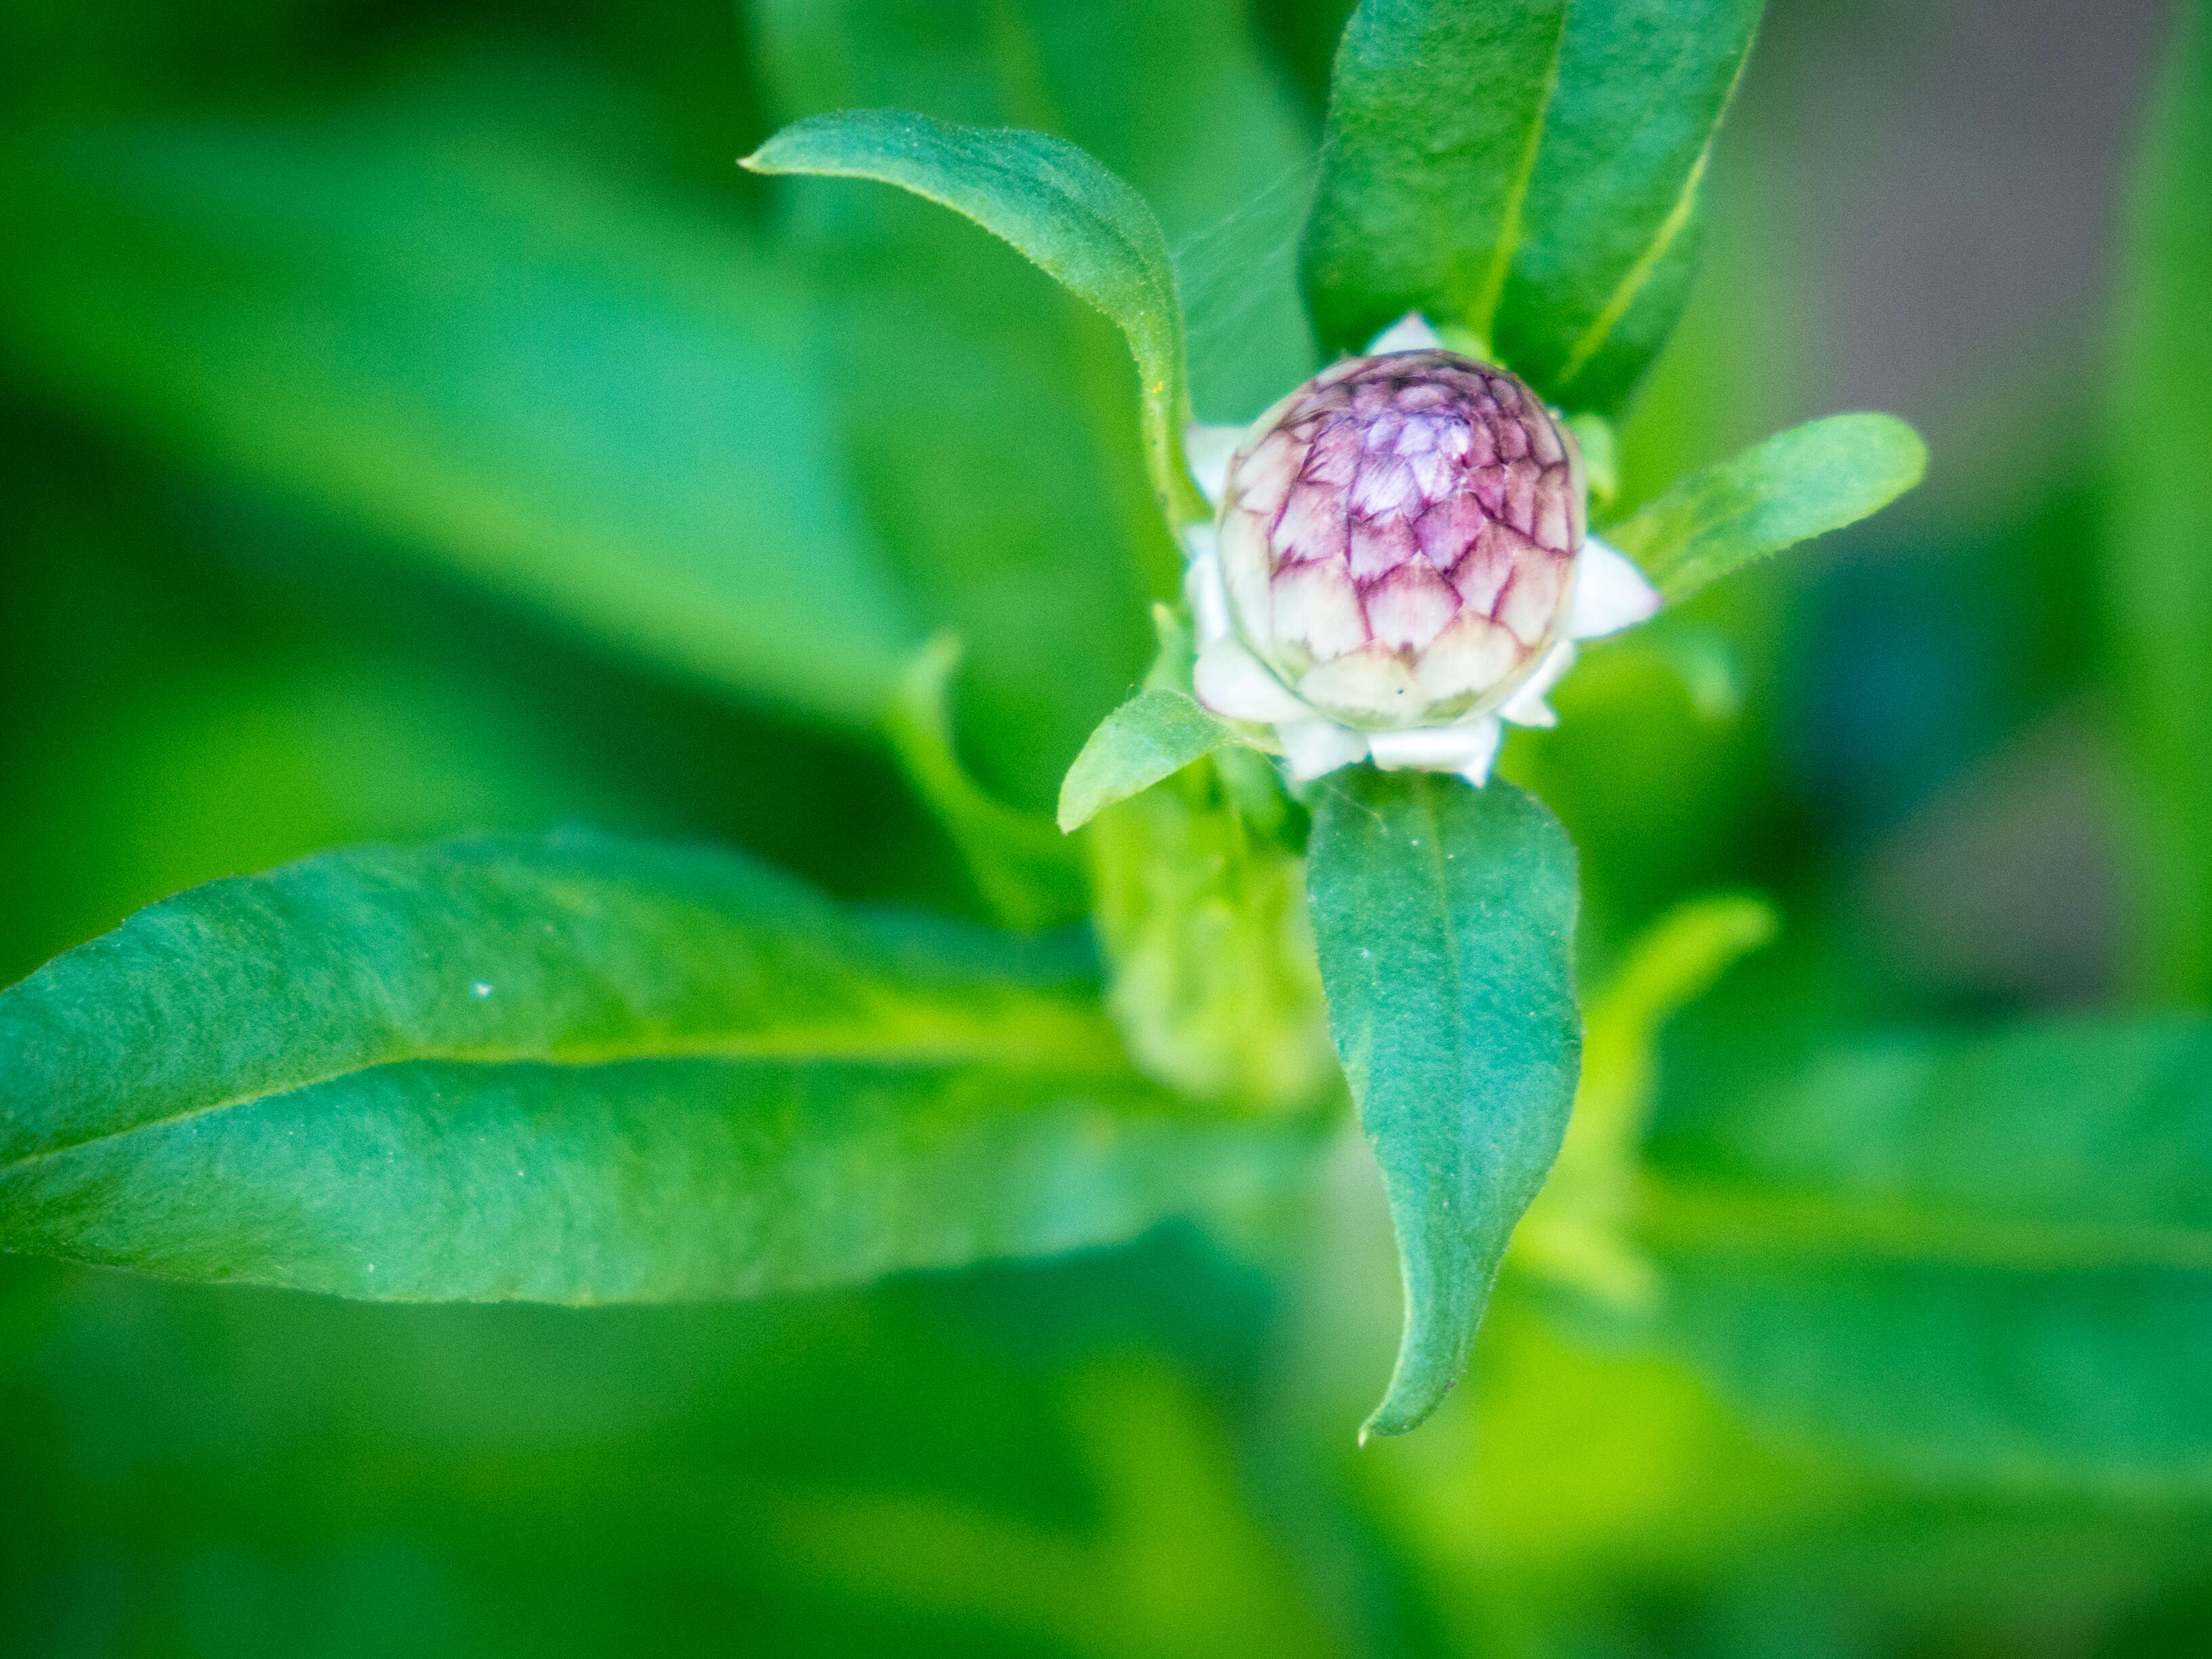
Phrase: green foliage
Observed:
(1577, 1231)
(1609, 242)
(623, 426)
(1200, 908)
(1984, 1258)
(1058, 208)
(1436, 114)
(581, 1069)
(1026, 874)
(2160, 592)
(1444, 917)
(1796, 485)
(1896, 1349)
(1527, 172)
(1152, 736)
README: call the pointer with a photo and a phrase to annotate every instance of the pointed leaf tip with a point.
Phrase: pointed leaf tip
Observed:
(1058, 207)
(1788, 488)
(1151, 737)
(1444, 917)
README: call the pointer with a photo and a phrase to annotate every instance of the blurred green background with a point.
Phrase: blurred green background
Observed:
(413, 423)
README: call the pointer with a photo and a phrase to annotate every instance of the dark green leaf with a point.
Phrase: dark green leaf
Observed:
(2162, 500)
(1435, 118)
(1795, 485)
(578, 1069)
(1985, 1258)
(580, 395)
(1608, 229)
(1054, 205)
(1152, 736)
(1444, 917)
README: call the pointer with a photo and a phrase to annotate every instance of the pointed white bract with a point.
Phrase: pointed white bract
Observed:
(1610, 594)
(1411, 332)
(1398, 565)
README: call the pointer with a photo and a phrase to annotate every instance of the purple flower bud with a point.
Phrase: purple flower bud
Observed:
(1398, 538)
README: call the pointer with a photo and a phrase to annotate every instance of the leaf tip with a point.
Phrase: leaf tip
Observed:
(1072, 813)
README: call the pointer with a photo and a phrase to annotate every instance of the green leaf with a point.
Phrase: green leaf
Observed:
(1444, 916)
(1792, 487)
(1023, 866)
(1152, 736)
(461, 338)
(2160, 587)
(578, 1069)
(1608, 244)
(1055, 206)
(1983, 1258)
(1576, 1230)
(1435, 115)
(1200, 913)
(1527, 171)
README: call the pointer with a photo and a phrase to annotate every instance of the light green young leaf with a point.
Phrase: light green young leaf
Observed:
(1152, 736)
(575, 1069)
(1577, 1230)
(472, 344)
(1792, 487)
(1982, 1258)
(2159, 583)
(1054, 205)
(1444, 917)
(1435, 115)
(1201, 915)
(1023, 866)
(1608, 227)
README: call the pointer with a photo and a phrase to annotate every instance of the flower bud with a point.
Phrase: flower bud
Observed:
(1398, 538)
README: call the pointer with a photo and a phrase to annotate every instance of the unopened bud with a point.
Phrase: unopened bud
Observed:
(1398, 538)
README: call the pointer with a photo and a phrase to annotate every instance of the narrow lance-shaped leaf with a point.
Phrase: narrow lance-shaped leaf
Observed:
(1792, 487)
(2159, 581)
(1608, 231)
(1444, 917)
(1436, 114)
(1986, 1258)
(580, 1069)
(469, 343)
(1152, 736)
(1057, 207)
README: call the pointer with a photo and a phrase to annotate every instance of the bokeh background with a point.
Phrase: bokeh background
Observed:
(345, 351)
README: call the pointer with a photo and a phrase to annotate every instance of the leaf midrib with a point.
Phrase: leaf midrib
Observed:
(1483, 314)
(1098, 1055)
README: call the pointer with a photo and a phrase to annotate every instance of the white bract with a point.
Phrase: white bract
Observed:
(1399, 563)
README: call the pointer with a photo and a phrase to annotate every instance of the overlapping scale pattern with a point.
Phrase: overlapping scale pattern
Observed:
(1398, 538)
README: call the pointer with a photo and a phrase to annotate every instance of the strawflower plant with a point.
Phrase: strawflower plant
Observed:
(586, 1068)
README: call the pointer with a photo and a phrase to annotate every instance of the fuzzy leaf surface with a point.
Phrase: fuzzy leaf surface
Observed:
(1444, 917)
(1982, 1258)
(1152, 736)
(580, 1068)
(1792, 487)
(1054, 205)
